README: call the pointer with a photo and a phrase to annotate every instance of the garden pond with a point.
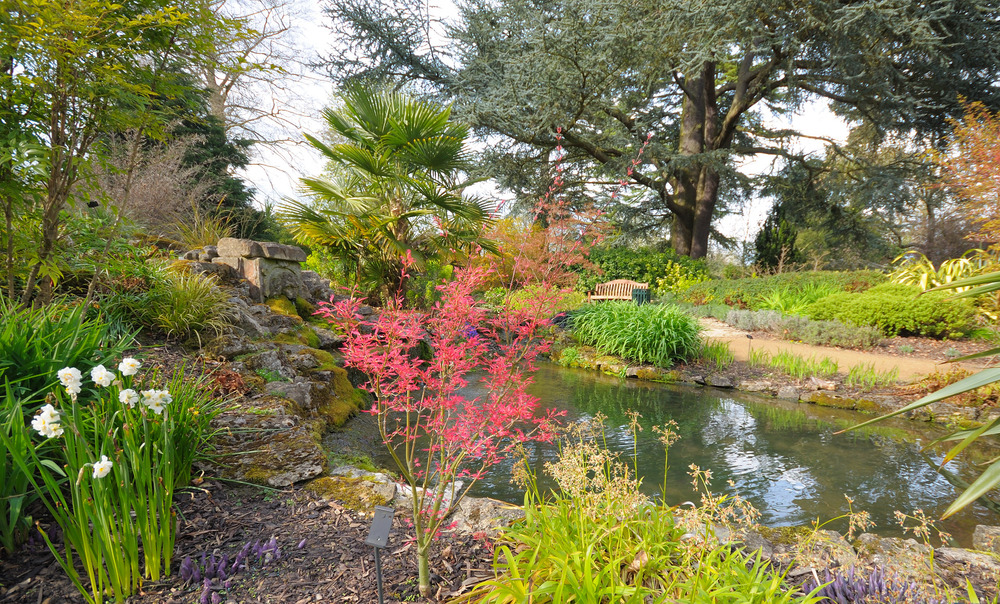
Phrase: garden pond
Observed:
(785, 458)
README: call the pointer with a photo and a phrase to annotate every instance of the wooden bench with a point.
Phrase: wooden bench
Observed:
(619, 289)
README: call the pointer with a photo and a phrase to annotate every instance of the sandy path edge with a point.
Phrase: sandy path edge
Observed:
(910, 369)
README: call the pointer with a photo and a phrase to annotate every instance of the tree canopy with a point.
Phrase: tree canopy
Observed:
(696, 74)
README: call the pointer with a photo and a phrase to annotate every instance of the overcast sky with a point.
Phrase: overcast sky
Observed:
(276, 171)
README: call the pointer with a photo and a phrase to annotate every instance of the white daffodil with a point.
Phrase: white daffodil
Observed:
(101, 376)
(129, 366)
(46, 422)
(70, 378)
(156, 400)
(102, 468)
(129, 397)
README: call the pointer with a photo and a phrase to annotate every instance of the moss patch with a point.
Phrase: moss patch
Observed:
(304, 308)
(282, 306)
(342, 400)
(785, 535)
(355, 493)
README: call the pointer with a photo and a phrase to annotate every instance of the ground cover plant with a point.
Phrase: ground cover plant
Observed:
(661, 334)
(797, 366)
(803, 329)
(899, 309)
(753, 292)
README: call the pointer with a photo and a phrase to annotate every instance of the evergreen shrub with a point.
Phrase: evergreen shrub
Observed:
(753, 292)
(899, 310)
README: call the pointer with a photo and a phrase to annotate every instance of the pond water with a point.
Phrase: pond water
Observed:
(783, 457)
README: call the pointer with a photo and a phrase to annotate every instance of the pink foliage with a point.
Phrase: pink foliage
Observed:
(435, 432)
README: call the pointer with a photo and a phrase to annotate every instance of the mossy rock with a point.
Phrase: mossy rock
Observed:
(276, 458)
(304, 308)
(301, 335)
(785, 535)
(283, 306)
(356, 493)
(338, 400)
(823, 399)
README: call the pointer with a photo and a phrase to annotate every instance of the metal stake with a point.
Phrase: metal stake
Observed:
(378, 537)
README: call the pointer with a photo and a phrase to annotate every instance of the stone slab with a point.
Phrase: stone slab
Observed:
(240, 248)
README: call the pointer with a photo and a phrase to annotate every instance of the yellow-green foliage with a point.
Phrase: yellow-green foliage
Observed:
(897, 309)
(677, 279)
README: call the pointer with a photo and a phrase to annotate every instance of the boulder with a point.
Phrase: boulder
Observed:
(239, 248)
(229, 346)
(756, 386)
(788, 393)
(280, 251)
(719, 381)
(328, 340)
(906, 557)
(986, 539)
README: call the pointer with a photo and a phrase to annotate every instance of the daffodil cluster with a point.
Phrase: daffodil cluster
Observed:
(156, 400)
(46, 422)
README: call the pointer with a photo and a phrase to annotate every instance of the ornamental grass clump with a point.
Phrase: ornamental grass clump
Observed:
(652, 333)
(106, 472)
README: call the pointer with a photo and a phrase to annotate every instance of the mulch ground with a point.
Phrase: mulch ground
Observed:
(320, 555)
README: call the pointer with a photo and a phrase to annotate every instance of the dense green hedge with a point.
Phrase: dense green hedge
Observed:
(897, 309)
(665, 271)
(652, 333)
(751, 292)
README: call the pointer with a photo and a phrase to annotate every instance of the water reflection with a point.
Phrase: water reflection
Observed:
(783, 457)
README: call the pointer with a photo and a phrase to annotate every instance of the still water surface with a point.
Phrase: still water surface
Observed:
(783, 457)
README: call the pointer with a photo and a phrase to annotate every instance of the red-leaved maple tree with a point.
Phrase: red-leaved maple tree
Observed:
(435, 431)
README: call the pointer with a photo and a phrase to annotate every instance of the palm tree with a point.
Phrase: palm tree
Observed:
(394, 187)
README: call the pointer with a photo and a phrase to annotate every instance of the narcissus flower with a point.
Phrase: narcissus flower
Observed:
(101, 376)
(129, 366)
(129, 397)
(46, 422)
(102, 468)
(70, 378)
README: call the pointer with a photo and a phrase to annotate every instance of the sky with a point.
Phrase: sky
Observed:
(276, 170)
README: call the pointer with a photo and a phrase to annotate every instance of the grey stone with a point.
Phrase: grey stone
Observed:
(298, 391)
(364, 310)
(756, 386)
(280, 251)
(484, 515)
(906, 557)
(210, 268)
(228, 346)
(190, 255)
(205, 258)
(788, 393)
(632, 372)
(969, 561)
(328, 340)
(247, 323)
(272, 361)
(819, 384)
(302, 362)
(212, 250)
(719, 381)
(271, 277)
(986, 538)
(239, 248)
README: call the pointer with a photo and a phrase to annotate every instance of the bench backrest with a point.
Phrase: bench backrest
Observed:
(619, 287)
